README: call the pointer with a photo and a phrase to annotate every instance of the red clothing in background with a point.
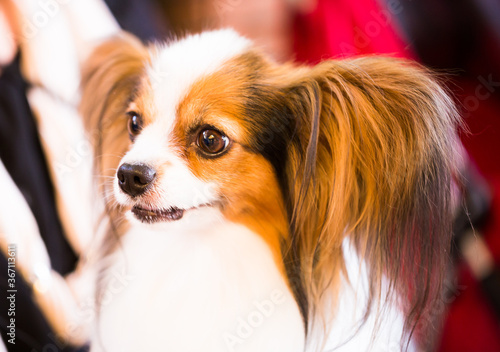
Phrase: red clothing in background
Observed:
(342, 28)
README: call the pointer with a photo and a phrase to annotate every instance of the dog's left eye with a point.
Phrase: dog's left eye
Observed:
(134, 124)
(212, 141)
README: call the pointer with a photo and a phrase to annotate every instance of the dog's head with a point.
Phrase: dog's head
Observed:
(183, 128)
(208, 127)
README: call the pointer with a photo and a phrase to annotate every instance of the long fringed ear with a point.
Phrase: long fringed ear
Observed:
(109, 79)
(372, 159)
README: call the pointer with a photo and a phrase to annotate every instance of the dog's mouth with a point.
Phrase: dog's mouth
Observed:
(150, 216)
(154, 215)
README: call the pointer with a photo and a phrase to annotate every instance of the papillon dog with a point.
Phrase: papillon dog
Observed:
(258, 206)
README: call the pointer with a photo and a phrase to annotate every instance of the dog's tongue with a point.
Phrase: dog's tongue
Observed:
(151, 216)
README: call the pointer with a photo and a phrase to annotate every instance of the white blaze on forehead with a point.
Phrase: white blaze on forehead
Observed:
(174, 68)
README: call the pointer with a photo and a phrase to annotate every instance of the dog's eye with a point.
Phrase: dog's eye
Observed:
(134, 124)
(212, 141)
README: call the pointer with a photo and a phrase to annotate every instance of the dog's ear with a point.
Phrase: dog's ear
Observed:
(372, 158)
(109, 78)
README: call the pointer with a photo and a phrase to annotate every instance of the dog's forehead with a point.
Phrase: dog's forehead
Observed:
(175, 68)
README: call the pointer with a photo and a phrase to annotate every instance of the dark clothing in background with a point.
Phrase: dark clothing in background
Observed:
(143, 18)
(22, 155)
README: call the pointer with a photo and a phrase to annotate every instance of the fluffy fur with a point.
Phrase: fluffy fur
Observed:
(357, 151)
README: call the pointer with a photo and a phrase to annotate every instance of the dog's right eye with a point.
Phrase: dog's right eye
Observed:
(134, 124)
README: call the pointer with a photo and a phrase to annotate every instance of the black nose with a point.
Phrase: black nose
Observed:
(135, 179)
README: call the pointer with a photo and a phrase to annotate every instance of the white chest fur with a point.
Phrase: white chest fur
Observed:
(211, 290)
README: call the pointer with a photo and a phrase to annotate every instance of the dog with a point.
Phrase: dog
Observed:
(267, 207)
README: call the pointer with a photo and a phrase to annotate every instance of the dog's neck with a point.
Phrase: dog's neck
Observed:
(218, 278)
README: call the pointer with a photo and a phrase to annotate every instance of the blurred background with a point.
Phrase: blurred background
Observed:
(457, 38)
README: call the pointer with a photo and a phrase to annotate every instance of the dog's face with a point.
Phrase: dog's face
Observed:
(197, 126)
